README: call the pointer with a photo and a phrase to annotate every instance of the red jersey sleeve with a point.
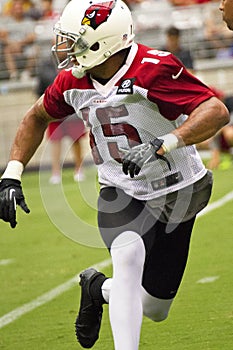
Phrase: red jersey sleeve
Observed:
(54, 101)
(174, 89)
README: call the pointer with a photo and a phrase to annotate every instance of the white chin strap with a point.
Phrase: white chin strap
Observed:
(78, 71)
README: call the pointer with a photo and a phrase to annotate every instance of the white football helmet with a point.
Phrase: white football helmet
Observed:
(92, 31)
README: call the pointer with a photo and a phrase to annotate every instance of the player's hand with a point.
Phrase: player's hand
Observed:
(137, 156)
(11, 195)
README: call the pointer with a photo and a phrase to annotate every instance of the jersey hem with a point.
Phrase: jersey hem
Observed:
(157, 194)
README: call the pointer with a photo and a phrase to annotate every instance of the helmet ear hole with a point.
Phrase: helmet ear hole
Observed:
(95, 47)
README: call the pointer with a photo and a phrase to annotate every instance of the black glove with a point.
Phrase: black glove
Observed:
(134, 158)
(11, 194)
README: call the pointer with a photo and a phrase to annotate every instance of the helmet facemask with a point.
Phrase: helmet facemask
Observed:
(68, 45)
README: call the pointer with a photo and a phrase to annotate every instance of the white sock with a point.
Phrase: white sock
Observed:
(106, 289)
(125, 306)
(154, 308)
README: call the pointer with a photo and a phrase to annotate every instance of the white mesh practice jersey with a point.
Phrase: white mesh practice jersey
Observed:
(148, 97)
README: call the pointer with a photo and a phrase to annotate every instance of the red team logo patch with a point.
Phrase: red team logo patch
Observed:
(98, 13)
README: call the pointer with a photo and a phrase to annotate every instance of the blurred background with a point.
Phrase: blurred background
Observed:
(26, 36)
(36, 259)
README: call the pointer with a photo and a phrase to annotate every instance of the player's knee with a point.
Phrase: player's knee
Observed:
(154, 308)
(128, 249)
(157, 315)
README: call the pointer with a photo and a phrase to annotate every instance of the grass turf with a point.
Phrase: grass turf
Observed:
(43, 258)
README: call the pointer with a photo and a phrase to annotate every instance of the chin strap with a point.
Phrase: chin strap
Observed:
(78, 71)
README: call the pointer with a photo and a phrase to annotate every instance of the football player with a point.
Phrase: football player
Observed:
(226, 7)
(145, 112)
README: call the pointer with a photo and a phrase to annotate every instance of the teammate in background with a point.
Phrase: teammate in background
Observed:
(74, 129)
(71, 127)
(226, 7)
(220, 147)
(217, 37)
(173, 45)
(222, 142)
(145, 113)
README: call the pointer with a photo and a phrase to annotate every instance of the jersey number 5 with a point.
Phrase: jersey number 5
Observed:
(107, 117)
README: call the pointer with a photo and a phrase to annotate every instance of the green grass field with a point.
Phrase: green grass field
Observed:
(42, 258)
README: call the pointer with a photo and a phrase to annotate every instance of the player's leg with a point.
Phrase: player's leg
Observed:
(75, 129)
(166, 252)
(88, 321)
(164, 269)
(77, 154)
(154, 308)
(128, 256)
(119, 219)
(167, 246)
(55, 162)
(125, 306)
(55, 135)
(227, 132)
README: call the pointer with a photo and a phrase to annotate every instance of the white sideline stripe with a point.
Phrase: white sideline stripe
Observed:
(209, 279)
(4, 262)
(45, 298)
(217, 204)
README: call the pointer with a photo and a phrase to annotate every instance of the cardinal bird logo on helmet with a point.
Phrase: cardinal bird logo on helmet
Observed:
(98, 13)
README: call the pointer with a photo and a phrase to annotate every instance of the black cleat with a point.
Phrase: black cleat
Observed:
(87, 324)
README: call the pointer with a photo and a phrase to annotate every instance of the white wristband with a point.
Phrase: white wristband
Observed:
(170, 142)
(13, 170)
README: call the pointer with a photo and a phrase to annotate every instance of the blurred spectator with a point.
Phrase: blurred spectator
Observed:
(3, 36)
(133, 3)
(8, 5)
(44, 11)
(221, 149)
(182, 2)
(221, 145)
(73, 127)
(187, 2)
(47, 17)
(19, 49)
(3, 39)
(48, 11)
(173, 45)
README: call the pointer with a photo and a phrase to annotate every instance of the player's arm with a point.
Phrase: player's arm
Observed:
(28, 137)
(30, 133)
(203, 122)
